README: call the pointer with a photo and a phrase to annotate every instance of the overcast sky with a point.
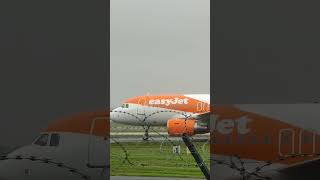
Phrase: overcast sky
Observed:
(159, 46)
(54, 58)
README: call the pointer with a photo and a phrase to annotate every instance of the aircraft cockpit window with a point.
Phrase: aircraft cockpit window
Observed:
(42, 140)
(55, 139)
(125, 106)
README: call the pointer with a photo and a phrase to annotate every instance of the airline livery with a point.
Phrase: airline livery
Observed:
(246, 139)
(72, 148)
(164, 110)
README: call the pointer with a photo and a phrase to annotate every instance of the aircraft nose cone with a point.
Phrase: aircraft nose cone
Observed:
(114, 115)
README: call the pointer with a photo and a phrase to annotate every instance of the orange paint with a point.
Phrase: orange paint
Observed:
(173, 102)
(267, 140)
(96, 123)
(177, 127)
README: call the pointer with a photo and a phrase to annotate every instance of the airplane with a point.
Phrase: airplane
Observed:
(264, 140)
(73, 148)
(163, 110)
(246, 140)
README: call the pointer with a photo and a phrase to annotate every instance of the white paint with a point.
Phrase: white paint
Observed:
(168, 102)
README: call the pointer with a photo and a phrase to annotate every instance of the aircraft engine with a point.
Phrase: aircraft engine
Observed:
(178, 127)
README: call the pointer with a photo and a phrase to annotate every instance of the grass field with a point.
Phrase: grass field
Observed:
(152, 159)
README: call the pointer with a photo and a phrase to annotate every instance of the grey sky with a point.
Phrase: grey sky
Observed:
(159, 46)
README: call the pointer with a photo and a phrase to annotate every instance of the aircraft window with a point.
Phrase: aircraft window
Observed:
(125, 106)
(42, 140)
(55, 139)
(285, 139)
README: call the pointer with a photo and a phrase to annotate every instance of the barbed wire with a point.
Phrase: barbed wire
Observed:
(47, 161)
(244, 172)
(142, 121)
(126, 159)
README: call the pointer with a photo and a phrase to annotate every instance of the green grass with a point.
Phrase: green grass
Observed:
(146, 159)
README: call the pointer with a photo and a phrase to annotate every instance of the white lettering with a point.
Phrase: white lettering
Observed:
(243, 125)
(151, 102)
(157, 101)
(180, 101)
(226, 126)
(168, 102)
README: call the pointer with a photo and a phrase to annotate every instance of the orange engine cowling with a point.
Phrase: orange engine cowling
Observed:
(178, 127)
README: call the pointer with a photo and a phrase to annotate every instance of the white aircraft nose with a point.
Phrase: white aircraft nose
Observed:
(115, 115)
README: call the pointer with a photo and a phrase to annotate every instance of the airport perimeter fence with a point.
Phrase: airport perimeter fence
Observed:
(46, 161)
(162, 155)
(159, 155)
(164, 146)
(132, 151)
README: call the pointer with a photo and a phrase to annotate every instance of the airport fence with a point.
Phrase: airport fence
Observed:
(159, 155)
(47, 161)
(171, 149)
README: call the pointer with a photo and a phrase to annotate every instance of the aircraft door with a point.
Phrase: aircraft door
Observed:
(98, 146)
(141, 106)
(286, 142)
(307, 142)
